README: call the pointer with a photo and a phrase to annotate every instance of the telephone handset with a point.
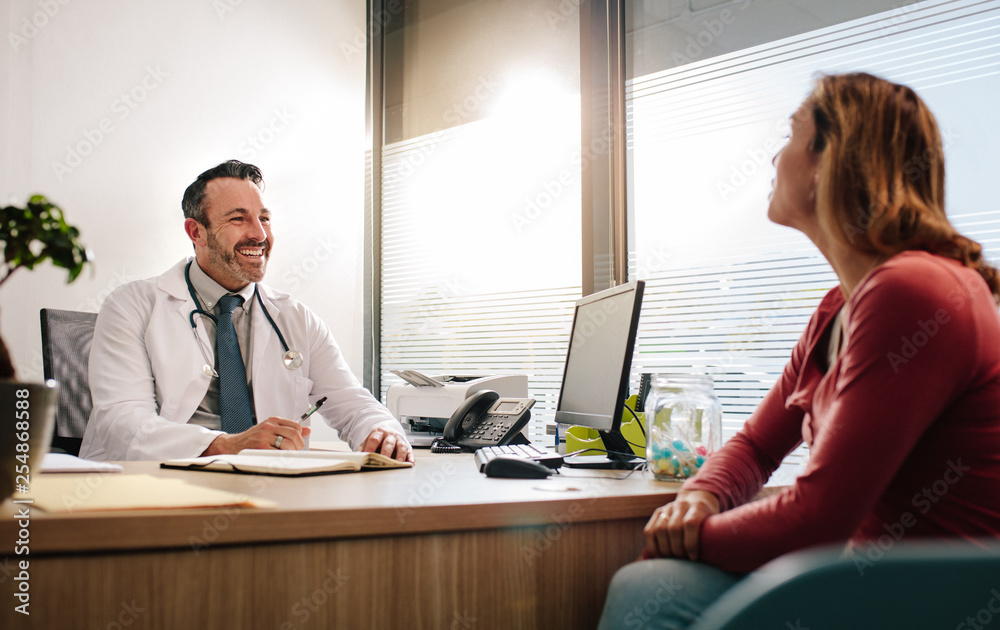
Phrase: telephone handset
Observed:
(486, 419)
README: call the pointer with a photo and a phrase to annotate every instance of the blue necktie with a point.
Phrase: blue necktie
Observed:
(235, 409)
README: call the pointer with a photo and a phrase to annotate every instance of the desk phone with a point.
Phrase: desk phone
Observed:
(486, 419)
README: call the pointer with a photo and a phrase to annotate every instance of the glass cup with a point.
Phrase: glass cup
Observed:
(27, 415)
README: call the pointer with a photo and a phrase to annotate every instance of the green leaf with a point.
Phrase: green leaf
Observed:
(43, 223)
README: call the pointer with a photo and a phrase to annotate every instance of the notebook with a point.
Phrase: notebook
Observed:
(287, 463)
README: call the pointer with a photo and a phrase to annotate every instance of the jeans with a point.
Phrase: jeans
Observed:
(662, 593)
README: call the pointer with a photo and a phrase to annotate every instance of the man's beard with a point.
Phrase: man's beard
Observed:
(231, 262)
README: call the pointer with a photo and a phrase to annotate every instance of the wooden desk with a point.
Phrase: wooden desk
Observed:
(434, 547)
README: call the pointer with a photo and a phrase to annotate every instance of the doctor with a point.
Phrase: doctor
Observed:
(154, 375)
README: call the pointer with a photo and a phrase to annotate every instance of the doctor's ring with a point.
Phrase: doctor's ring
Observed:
(277, 443)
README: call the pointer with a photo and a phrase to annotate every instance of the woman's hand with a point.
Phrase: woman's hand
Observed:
(672, 531)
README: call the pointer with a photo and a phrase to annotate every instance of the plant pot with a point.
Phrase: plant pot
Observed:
(6, 365)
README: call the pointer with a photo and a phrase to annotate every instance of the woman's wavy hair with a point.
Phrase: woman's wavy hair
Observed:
(881, 186)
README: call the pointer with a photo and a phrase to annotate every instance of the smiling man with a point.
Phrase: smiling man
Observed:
(206, 360)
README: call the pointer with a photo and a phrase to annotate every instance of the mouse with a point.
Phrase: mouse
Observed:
(516, 467)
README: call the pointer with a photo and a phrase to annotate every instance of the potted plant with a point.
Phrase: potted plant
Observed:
(30, 236)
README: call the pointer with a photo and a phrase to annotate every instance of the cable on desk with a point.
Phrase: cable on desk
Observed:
(642, 466)
(641, 428)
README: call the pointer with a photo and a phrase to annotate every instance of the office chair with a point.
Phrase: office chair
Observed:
(66, 339)
(933, 584)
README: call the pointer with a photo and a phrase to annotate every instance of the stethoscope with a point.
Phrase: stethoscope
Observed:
(292, 359)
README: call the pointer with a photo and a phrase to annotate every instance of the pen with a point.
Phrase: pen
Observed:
(312, 410)
(304, 417)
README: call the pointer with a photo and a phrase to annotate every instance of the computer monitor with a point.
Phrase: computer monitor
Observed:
(598, 363)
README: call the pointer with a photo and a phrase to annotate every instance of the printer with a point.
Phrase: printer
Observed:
(423, 404)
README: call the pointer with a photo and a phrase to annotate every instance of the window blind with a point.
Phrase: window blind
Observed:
(481, 256)
(727, 293)
(480, 222)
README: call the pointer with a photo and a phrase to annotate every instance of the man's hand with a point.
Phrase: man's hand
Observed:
(388, 443)
(673, 530)
(262, 435)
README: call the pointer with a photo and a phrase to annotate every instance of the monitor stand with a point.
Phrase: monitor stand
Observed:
(621, 456)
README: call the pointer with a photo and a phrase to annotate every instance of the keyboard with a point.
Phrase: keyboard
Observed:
(526, 451)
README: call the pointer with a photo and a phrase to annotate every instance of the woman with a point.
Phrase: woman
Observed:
(895, 384)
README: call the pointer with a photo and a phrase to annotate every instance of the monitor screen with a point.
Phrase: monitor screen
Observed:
(596, 376)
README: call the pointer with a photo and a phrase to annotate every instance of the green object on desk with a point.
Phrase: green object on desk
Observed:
(579, 438)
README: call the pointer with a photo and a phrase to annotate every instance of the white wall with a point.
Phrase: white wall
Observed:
(112, 107)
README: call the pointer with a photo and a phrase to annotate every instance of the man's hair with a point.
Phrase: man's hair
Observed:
(882, 171)
(193, 202)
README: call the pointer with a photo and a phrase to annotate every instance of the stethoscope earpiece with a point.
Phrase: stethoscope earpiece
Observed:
(292, 359)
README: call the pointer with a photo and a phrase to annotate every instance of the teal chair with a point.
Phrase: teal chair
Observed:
(910, 586)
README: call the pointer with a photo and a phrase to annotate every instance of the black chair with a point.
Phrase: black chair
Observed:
(66, 339)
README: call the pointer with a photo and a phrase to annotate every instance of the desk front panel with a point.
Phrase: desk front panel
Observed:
(521, 577)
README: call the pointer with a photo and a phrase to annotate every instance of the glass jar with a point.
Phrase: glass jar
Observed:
(684, 420)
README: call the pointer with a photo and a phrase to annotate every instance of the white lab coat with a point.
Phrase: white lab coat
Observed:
(147, 374)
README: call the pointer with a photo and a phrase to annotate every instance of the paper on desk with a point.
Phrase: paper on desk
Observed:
(66, 463)
(87, 493)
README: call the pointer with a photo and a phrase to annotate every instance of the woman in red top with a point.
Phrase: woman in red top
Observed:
(895, 384)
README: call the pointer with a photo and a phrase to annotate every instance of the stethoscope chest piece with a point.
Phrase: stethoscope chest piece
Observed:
(292, 359)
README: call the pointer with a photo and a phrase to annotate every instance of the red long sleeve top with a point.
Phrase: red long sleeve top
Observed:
(903, 427)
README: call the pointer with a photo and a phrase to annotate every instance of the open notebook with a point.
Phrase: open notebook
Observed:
(288, 463)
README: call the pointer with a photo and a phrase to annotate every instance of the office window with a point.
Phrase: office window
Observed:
(480, 192)
(480, 195)
(709, 91)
